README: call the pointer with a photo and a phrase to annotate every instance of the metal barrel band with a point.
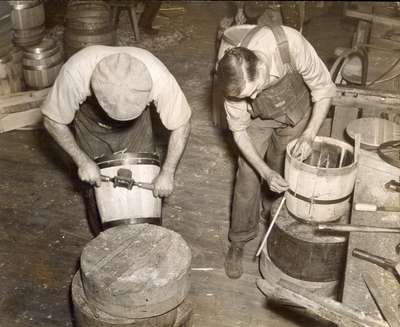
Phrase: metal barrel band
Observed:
(133, 221)
(316, 201)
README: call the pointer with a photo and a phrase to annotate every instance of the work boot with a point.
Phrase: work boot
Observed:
(233, 261)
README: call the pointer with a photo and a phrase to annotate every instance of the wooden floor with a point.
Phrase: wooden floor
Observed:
(42, 216)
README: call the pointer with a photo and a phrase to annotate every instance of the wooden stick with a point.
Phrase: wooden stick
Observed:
(341, 158)
(270, 226)
(357, 143)
(356, 228)
(288, 293)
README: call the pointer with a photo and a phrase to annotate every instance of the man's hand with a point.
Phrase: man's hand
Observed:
(89, 172)
(163, 184)
(275, 181)
(303, 148)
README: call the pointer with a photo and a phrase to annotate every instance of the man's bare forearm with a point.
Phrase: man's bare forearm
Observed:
(319, 113)
(64, 137)
(176, 145)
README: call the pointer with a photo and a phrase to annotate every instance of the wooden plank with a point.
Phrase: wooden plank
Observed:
(372, 18)
(16, 120)
(21, 101)
(343, 115)
(373, 173)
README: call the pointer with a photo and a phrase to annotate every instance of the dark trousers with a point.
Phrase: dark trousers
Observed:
(150, 12)
(98, 136)
(271, 144)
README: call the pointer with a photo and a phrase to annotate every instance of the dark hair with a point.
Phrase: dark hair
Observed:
(237, 66)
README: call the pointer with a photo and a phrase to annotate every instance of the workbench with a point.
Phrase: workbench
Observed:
(372, 175)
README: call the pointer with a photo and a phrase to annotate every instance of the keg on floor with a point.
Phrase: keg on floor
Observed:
(297, 252)
(88, 23)
(134, 275)
(121, 205)
(28, 19)
(42, 63)
(320, 187)
(11, 77)
(231, 37)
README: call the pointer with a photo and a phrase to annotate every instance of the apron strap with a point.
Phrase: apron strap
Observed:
(246, 40)
(283, 44)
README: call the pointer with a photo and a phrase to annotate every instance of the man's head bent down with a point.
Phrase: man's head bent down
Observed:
(122, 86)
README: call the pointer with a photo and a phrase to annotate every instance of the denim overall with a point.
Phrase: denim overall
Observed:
(280, 113)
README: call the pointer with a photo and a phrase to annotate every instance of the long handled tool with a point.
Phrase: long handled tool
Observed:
(270, 226)
(124, 179)
(380, 261)
(356, 228)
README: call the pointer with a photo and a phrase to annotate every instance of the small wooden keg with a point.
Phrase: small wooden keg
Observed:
(302, 252)
(88, 23)
(28, 20)
(136, 271)
(5, 35)
(119, 205)
(320, 187)
(42, 63)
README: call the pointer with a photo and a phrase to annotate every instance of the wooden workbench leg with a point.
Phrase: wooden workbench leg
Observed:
(134, 23)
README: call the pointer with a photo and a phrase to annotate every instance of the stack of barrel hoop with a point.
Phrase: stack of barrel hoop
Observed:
(133, 276)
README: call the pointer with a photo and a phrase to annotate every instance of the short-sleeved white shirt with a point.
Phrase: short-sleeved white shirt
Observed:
(72, 86)
(306, 61)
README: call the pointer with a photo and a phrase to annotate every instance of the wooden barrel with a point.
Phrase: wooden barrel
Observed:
(301, 252)
(88, 23)
(136, 271)
(118, 205)
(320, 188)
(42, 63)
(75, 40)
(5, 34)
(28, 22)
(231, 37)
(87, 15)
(11, 78)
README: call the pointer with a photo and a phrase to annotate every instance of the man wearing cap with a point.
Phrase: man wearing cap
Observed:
(276, 89)
(99, 105)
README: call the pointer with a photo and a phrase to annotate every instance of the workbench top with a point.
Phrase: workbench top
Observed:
(372, 175)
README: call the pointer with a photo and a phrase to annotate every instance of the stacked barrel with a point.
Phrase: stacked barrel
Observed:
(28, 22)
(41, 64)
(133, 276)
(320, 190)
(88, 23)
(11, 79)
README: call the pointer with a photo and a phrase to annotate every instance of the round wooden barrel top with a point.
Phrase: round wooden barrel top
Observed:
(136, 271)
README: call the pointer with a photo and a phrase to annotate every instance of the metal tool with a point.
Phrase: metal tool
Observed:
(124, 179)
(388, 264)
(392, 186)
(384, 306)
(356, 228)
(374, 207)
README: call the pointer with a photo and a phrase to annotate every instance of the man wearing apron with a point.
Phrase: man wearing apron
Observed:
(99, 105)
(270, 82)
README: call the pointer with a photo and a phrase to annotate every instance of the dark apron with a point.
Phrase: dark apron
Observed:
(99, 135)
(287, 99)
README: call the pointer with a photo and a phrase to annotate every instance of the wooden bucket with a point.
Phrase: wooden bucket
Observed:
(320, 188)
(136, 271)
(27, 14)
(302, 253)
(230, 38)
(29, 37)
(118, 205)
(42, 63)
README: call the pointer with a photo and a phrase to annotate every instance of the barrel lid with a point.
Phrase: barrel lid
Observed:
(44, 45)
